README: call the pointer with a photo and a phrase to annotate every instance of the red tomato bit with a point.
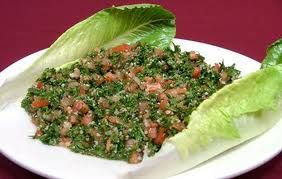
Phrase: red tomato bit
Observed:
(160, 136)
(196, 72)
(38, 103)
(122, 48)
(39, 85)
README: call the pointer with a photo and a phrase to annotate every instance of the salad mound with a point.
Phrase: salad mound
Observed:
(122, 103)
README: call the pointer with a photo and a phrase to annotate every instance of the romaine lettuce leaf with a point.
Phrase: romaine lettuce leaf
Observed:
(147, 23)
(273, 54)
(216, 119)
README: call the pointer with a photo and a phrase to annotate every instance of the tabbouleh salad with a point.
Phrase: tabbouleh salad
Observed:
(122, 103)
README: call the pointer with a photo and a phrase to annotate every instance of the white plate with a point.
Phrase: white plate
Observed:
(57, 162)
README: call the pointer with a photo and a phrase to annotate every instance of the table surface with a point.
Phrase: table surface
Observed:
(244, 26)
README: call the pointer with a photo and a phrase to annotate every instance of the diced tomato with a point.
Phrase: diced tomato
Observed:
(196, 72)
(80, 106)
(122, 48)
(181, 90)
(167, 82)
(160, 136)
(86, 120)
(110, 77)
(84, 109)
(153, 87)
(163, 104)
(149, 123)
(82, 91)
(77, 105)
(38, 103)
(152, 132)
(153, 124)
(40, 85)
(174, 92)
(163, 101)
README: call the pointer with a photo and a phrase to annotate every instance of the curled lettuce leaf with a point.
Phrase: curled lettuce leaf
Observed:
(273, 54)
(110, 27)
(217, 118)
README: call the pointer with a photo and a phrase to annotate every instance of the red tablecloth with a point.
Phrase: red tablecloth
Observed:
(244, 26)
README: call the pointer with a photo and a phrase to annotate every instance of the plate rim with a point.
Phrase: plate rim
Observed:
(46, 174)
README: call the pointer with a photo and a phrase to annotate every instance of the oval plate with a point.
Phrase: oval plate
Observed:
(57, 162)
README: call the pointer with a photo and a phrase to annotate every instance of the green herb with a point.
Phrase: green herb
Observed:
(113, 106)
